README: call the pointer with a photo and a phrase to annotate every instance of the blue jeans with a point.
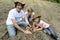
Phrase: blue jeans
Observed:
(51, 32)
(12, 30)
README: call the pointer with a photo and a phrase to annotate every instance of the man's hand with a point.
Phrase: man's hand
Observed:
(27, 32)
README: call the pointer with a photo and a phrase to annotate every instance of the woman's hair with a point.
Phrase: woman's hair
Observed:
(30, 10)
(36, 18)
(16, 3)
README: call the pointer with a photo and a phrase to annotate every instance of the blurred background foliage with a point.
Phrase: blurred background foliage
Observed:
(58, 1)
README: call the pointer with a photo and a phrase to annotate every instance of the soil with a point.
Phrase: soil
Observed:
(49, 11)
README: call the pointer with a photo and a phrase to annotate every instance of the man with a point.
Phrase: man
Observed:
(15, 20)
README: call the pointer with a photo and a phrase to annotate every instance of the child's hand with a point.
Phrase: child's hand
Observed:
(37, 29)
(34, 30)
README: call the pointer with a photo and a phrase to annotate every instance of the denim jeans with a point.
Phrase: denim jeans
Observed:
(51, 32)
(12, 30)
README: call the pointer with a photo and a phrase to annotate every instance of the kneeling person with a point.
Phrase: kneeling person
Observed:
(15, 20)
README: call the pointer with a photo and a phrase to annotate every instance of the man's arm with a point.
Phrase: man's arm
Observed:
(17, 26)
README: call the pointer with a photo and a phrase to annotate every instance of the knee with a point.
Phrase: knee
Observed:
(11, 31)
(11, 34)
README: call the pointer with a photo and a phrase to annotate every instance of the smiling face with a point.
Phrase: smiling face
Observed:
(19, 7)
(37, 20)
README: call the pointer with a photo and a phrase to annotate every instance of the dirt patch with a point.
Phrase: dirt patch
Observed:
(49, 11)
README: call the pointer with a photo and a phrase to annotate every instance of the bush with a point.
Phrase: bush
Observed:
(58, 1)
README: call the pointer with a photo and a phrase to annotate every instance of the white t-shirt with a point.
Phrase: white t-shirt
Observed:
(13, 14)
(26, 13)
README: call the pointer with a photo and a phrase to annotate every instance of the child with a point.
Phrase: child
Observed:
(29, 14)
(40, 24)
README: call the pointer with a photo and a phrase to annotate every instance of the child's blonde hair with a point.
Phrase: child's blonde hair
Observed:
(30, 10)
